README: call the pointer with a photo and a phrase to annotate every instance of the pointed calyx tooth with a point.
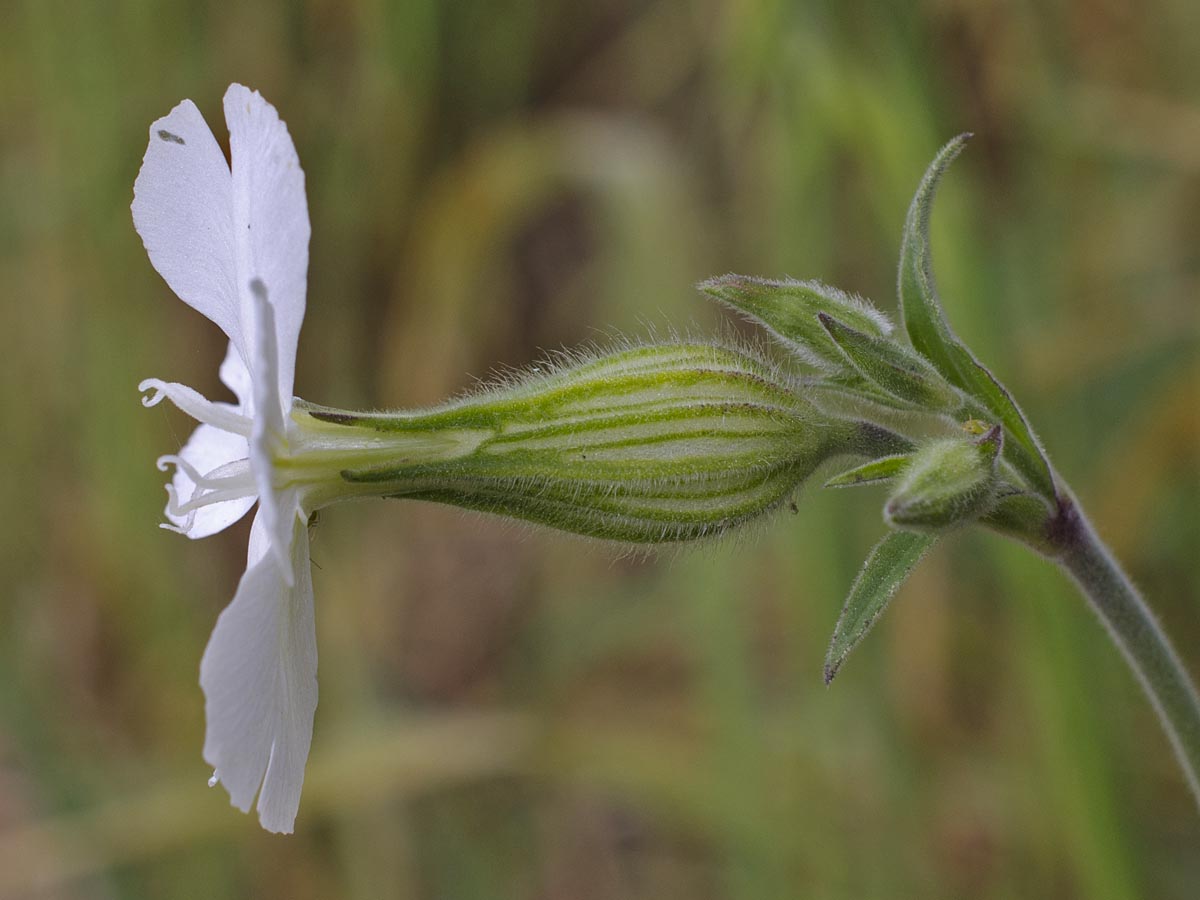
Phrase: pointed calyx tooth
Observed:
(877, 470)
(899, 371)
(990, 443)
(789, 310)
(948, 483)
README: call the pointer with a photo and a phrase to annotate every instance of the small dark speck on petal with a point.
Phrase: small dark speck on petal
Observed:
(170, 138)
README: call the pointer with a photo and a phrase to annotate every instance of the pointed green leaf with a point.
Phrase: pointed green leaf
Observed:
(788, 309)
(892, 367)
(919, 305)
(850, 390)
(933, 338)
(889, 564)
(875, 471)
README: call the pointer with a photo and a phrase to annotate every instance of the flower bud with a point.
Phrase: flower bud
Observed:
(648, 445)
(789, 310)
(948, 483)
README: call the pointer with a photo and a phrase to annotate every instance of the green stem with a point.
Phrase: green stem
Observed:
(1135, 630)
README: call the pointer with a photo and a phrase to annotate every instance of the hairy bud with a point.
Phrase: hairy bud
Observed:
(948, 483)
(648, 445)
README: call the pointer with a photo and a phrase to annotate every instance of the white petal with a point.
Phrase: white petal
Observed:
(207, 449)
(236, 377)
(268, 439)
(259, 675)
(264, 361)
(270, 215)
(183, 210)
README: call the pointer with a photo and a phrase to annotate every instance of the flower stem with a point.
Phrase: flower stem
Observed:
(1135, 630)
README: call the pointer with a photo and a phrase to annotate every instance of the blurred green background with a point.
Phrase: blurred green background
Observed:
(508, 712)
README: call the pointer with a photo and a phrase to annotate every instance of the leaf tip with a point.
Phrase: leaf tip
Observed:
(718, 284)
(992, 442)
(831, 669)
(892, 512)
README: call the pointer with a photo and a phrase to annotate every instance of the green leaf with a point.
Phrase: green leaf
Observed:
(788, 309)
(894, 368)
(933, 338)
(871, 473)
(850, 390)
(889, 564)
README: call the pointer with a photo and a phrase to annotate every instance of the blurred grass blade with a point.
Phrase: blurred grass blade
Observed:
(932, 336)
(894, 368)
(875, 471)
(882, 574)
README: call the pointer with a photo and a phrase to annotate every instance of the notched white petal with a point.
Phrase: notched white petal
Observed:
(183, 211)
(268, 440)
(259, 675)
(271, 223)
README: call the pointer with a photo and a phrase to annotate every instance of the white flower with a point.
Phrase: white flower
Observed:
(234, 246)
